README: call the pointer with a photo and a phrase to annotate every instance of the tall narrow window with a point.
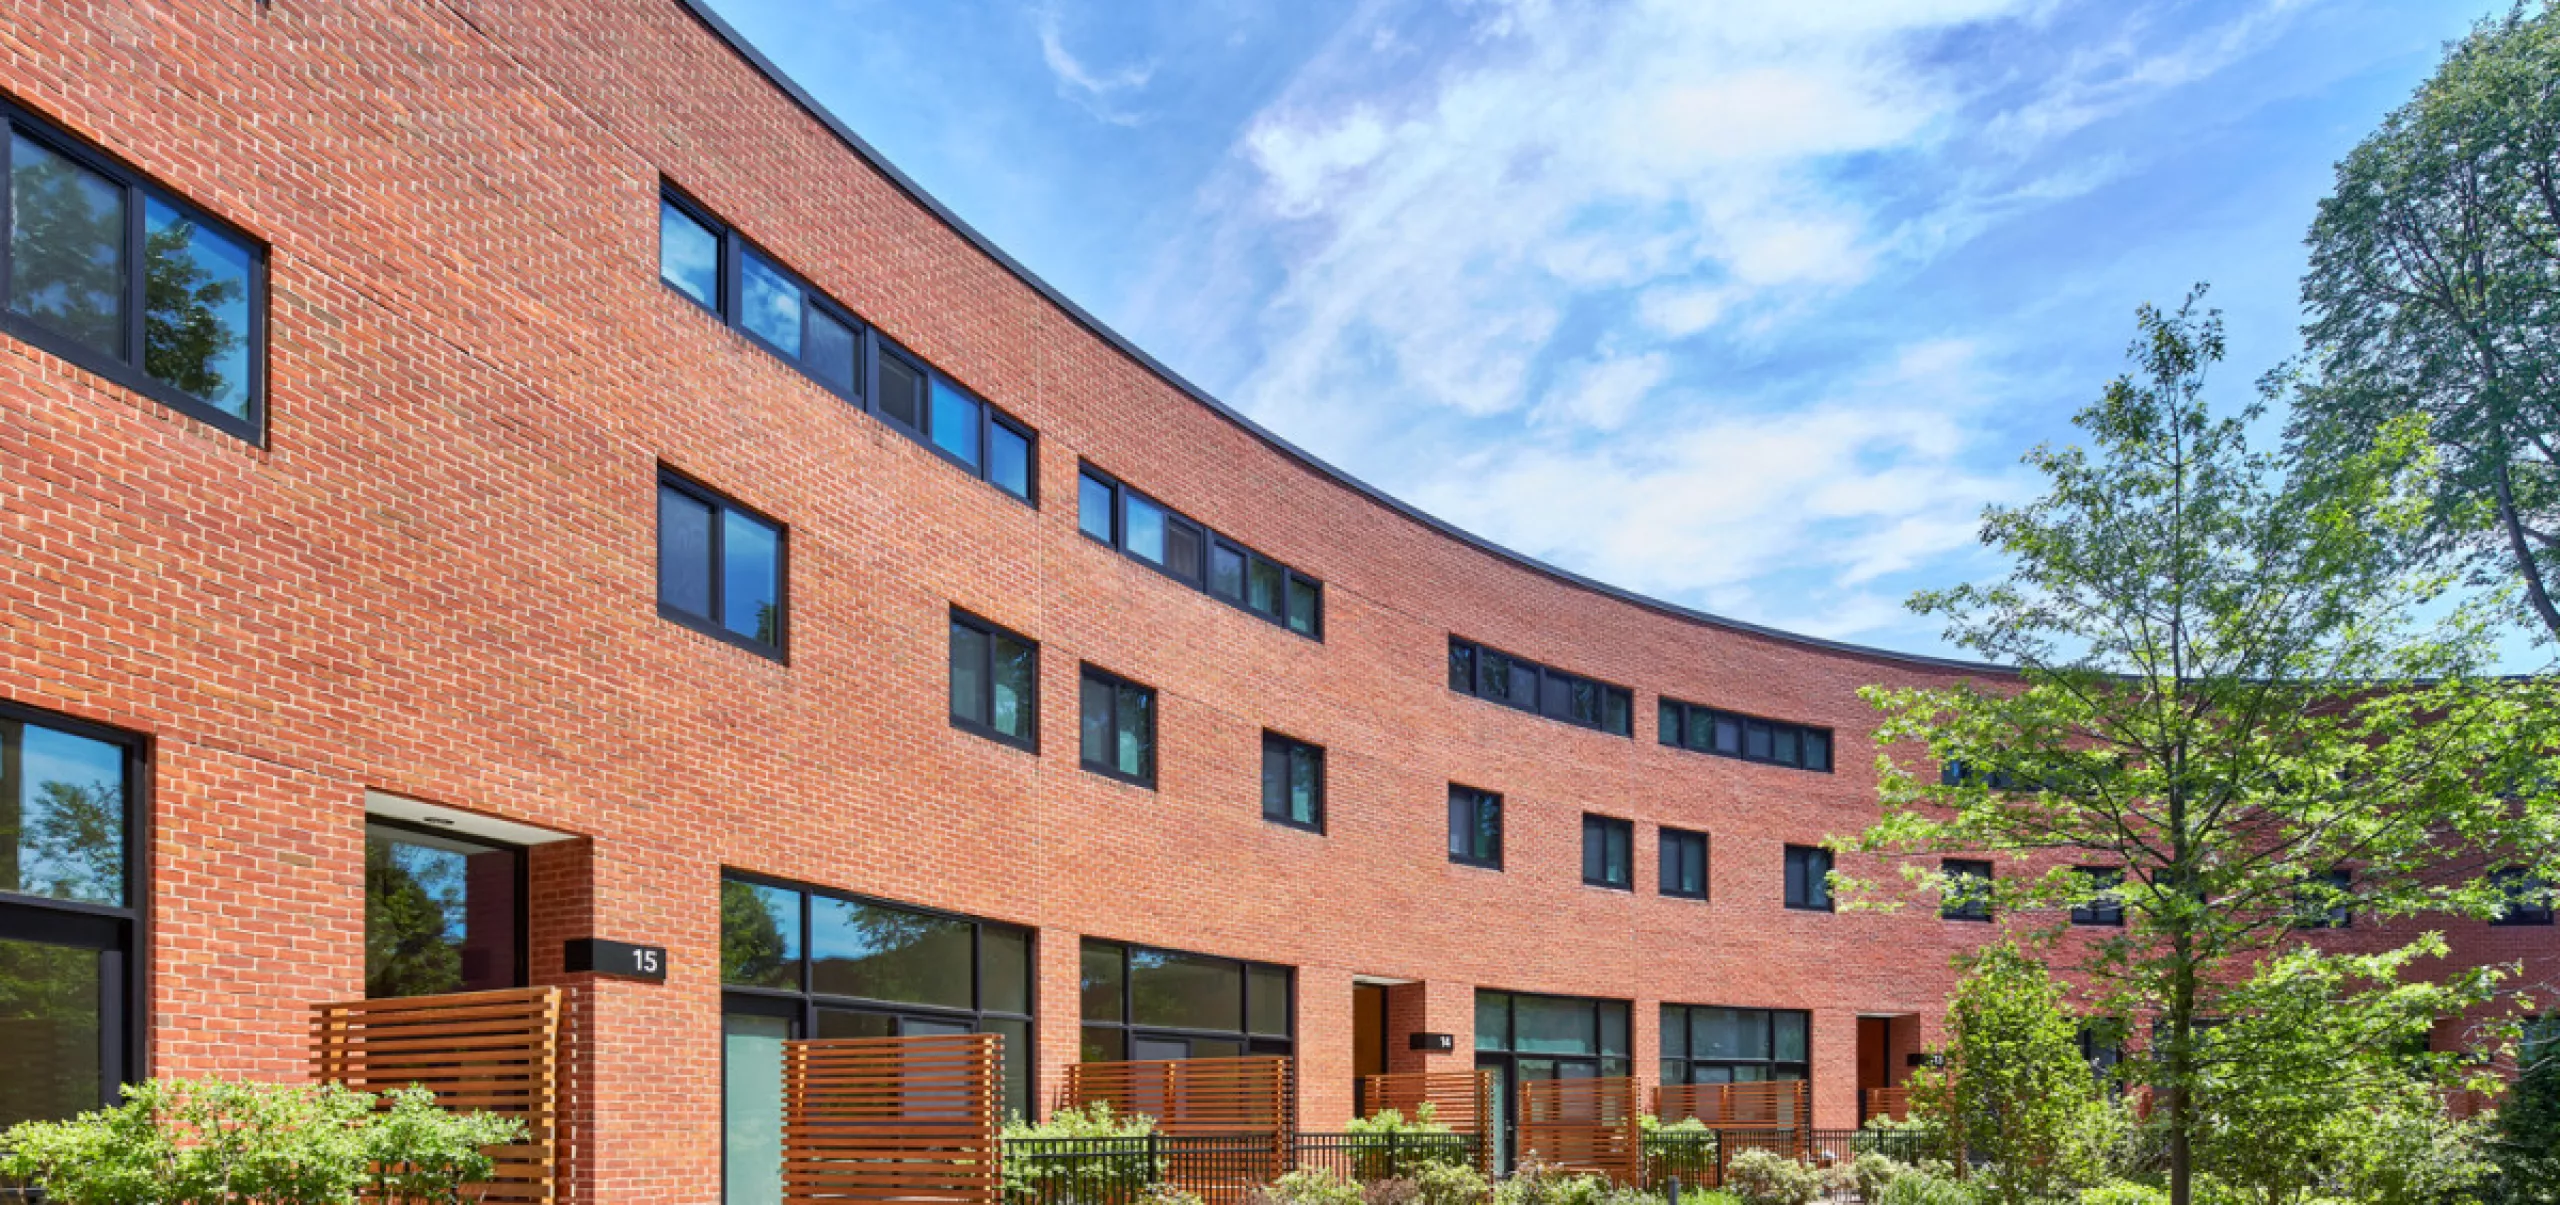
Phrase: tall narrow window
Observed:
(123, 278)
(1475, 827)
(1292, 782)
(1119, 721)
(720, 566)
(1808, 878)
(1608, 852)
(1968, 889)
(995, 681)
(442, 913)
(2105, 905)
(1684, 864)
(1097, 507)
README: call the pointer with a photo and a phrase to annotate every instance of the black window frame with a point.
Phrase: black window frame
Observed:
(1089, 672)
(670, 477)
(1606, 828)
(1674, 720)
(1547, 686)
(1130, 1030)
(126, 369)
(520, 975)
(2312, 914)
(869, 346)
(1971, 904)
(2104, 909)
(1476, 799)
(1282, 745)
(1666, 864)
(1690, 1060)
(1794, 853)
(2516, 881)
(120, 934)
(1212, 542)
(993, 631)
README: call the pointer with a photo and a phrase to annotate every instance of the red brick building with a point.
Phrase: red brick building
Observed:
(522, 472)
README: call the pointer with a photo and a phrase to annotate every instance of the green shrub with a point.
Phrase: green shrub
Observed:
(1537, 1182)
(1767, 1178)
(1308, 1186)
(1106, 1174)
(2124, 1192)
(1384, 1144)
(1449, 1184)
(212, 1142)
(1871, 1174)
(1926, 1186)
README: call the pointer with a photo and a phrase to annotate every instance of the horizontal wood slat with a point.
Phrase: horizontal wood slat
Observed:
(1460, 1100)
(891, 1119)
(492, 1052)
(1894, 1103)
(1768, 1105)
(1201, 1097)
(1587, 1125)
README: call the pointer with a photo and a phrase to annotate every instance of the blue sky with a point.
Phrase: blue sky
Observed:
(1747, 304)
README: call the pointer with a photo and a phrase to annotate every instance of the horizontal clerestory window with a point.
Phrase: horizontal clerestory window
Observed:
(1499, 677)
(1727, 734)
(1108, 510)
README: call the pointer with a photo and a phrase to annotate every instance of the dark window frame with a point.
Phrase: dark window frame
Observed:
(870, 345)
(1130, 1029)
(2312, 915)
(1673, 718)
(1829, 864)
(523, 855)
(2516, 881)
(1667, 836)
(120, 934)
(1212, 541)
(1605, 828)
(670, 477)
(1967, 904)
(1475, 817)
(1282, 743)
(1089, 672)
(2096, 912)
(1028, 742)
(1540, 694)
(1691, 1060)
(126, 368)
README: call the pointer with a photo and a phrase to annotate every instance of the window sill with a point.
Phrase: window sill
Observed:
(695, 623)
(1027, 744)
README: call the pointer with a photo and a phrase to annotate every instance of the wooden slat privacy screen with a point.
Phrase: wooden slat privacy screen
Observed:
(1584, 1125)
(890, 1119)
(1460, 1100)
(1767, 1106)
(1191, 1096)
(490, 1052)
(1894, 1103)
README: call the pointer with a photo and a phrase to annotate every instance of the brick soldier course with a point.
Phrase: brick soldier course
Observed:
(434, 577)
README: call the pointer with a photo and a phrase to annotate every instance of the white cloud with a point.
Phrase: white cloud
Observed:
(1094, 89)
(1602, 393)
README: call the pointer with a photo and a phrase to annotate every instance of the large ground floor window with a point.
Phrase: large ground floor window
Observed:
(1146, 1004)
(70, 930)
(1703, 1045)
(801, 961)
(1523, 1038)
(442, 912)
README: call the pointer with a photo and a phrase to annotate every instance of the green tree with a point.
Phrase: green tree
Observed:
(409, 944)
(2018, 1091)
(2220, 695)
(751, 939)
(2434, 289)
(2527, 1150)
(187, 341)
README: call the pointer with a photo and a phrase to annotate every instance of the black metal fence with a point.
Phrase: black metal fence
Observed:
(1221, 1168)
(1698, 1158)
(1366, 1157)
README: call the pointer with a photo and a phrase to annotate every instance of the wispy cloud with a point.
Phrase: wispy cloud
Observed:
(1097, 90)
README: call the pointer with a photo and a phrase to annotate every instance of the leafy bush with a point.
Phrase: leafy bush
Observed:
(1767, 1178)
(2527, 1153)
(2124, 1192)
(1384, 1144)
(1308, 1186)
(1449, 1184)
(1926, 1186)
(1536, 1182)
(1871, 1174)
(1104, 1171)
(1394, 1191)
(1166, 1194)
(211, 1142)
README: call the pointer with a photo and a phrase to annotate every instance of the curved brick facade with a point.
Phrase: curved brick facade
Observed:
(436, 579)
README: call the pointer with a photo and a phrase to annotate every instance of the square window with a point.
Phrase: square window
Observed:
(1264, 587)
(1462, 667)
(1292, 782)
(1118, 721)
(442, 913)
(1306, 606)
(2528, 898)
(1475, 827)
(1142, 528)
(1185, 547)
(195, 319)
(1684, 864)
(720, 566)
(995, 681)
(1226, 571)
(1967, 890)
(1607, 852)
(2105, 905)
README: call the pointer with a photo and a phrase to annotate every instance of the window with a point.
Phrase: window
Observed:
(1190, 553)
(718, 269)
(2528, 898)
(2105, 905)
(995, 681)
(1808, 878)
(1523, 1038)
(1608, 852)
(2326, 900)
(1705, 1045)
(1499, 677)
(1475, 827)
(70, 924)
(1967, 890)
(721, 567)
(1119, 719)
(1957, 773)
(127, 280)
(1726, 734)
(808, 962)
(1292, 782)
(1147, 1004)
(1684, 864)
(442, 913)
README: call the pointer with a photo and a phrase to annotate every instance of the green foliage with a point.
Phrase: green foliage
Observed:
(2434, 290)
(1309, 1186)
(1762, 1177)
(1081, 1175)
(2020, 1094)
(2527, 1149)
(210, 1142)
(1927, 1188)
(2124, 1192)
(1536, 1182)
(1873, 1173)
(2181, 612)
(1380, 1146)
(1449, 1184)
(406, 947)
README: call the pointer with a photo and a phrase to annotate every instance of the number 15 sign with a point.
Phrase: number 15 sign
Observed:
(620, 959)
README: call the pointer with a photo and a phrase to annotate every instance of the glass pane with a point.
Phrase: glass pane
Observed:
(1557, 698)
(1269, 1001)
(1703, 727)
(901, 392)
(1462, 824)
(1675, 1034)
(1617, 712)
(684, 553)
(1103, 988)
(1488, 834)
(1145, 535)
(1728, 736)
(1617, 870)
(439, 915)
(968, 673)
(1586, 702)
(1675, 1071)
(1755, 740)
(1790, 751)
(1015, 1057)
(62, 816)
(1493, 1021)
(1094, 710)
(1593, 840)
(843, 1023)
(66, 246)
(832, 352)
(1093, 507)
(751, 1108)
(1544, 1025)
(881, 953)
(1226, 571)
(195, 318)
(51, 998)
(1004, 977)
(1462, 668)
(1613, 1028)
(1275, 779)
(688, 255)
(1212, 1048)
(1136, 729)
(1666, 722)
(1262, 587)
(769, 304)
(1306, 606)
(1185, 991)
(759, 935)
(1728, 1033)
(1494, 674)
(1817, 751)
(1105, 1045)
(1306, 784)
(751, 578)
(1017, 686)
(1790, 1041)
(955, 423)
(1184, 547)
(1008, 460)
